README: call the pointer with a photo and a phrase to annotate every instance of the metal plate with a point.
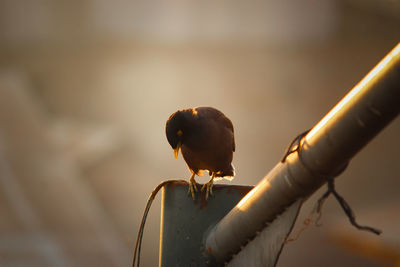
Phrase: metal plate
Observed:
(185, 222)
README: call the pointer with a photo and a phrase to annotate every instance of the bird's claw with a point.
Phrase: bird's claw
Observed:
(192, 189)
(209, 186)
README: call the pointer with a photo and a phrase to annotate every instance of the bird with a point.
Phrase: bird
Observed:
(206, 139)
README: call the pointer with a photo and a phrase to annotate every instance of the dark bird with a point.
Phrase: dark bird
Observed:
(205, 137)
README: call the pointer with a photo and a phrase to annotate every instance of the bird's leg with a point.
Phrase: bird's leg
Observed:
(209, 185)
(192, 186)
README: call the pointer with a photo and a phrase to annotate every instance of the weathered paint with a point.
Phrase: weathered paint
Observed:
(185, 222)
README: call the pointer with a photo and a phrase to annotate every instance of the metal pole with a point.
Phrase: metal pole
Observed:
(340, 135)
(184, 221)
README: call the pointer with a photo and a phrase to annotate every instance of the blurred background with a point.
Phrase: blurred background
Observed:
(87, 86)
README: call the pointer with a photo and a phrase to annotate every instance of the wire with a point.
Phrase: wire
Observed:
(138, 246)
(347, 209)
(296, 146)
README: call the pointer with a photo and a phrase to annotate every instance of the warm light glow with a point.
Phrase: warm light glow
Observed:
(356, 90)
(261, 186)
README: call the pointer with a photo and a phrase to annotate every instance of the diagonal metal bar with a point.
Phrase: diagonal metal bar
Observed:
(371, 105)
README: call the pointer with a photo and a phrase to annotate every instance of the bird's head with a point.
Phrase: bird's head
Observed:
(175, 130)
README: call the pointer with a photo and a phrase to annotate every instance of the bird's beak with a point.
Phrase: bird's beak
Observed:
(176, 150)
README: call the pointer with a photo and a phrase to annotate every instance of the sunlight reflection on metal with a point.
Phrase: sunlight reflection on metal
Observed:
(244, 203)
(367, 79)
(338, 137)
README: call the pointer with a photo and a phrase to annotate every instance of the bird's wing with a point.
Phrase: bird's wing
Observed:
(220, 118)
(233, 142)
(228, 123)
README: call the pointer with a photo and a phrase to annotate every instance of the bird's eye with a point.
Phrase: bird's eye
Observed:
(179, 132)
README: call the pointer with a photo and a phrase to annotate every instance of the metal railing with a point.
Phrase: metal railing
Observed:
(370, 106)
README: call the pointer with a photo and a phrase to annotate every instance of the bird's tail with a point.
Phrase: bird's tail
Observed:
(228, 174)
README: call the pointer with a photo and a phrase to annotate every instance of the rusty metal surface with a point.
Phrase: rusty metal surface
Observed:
(265, 248)
(184, 222)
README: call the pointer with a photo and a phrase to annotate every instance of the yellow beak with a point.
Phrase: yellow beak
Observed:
(176, 150)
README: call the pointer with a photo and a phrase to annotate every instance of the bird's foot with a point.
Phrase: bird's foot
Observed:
(192, 187)
(208, 187)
